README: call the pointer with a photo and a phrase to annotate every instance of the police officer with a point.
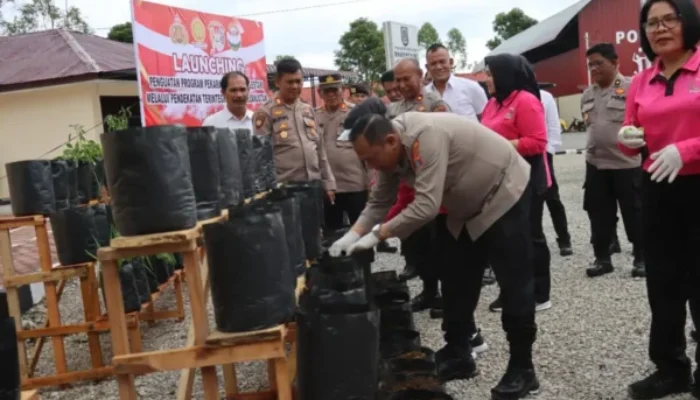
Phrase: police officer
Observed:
(389, 84)
(611, 176)
(299, 152)
(358, 92)
(483, 182)
(351, 175)
(419, 248)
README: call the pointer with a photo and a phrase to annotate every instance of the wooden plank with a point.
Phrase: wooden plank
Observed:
(55, 275)
(13, 307)
(67, 378)
(30, 395)
(19, 222)
(112, 253)
(211, 220)
(196, 357)
(217, 338)
(65, 330)
(154, 239)
(36, 352)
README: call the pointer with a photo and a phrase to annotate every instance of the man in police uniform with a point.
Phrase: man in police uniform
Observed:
(479, 177)
(299, 151)
(611, 176)
(358, 93)
(350, 173)
(419, 249)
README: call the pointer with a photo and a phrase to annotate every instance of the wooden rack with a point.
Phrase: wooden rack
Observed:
(203, 350)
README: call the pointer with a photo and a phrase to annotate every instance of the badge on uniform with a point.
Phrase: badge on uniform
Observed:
(419, 98)
(415, 155)
(421, 108)
(283, 134)
(277, 112)
(278, 101)
(260, 120)
(620, 91)
(441, 108)
(309, 122)
(618, 82)
(283, 125)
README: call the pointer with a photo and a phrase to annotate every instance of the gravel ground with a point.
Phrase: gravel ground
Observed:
(590, 345)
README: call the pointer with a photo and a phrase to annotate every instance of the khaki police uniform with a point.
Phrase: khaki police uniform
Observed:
(425, 102)
(299, 151)
(351, 176)
(479, 177)
(611, 176)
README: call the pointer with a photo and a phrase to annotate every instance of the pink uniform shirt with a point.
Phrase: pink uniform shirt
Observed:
(520, 117)
(669, 112)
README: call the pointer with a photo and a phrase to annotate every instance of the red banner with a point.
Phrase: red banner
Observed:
(182, 55)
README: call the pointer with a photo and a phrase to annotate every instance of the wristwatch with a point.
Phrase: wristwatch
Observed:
(375, 230)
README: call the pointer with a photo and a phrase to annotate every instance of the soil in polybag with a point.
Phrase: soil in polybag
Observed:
(141, 281)
(246, 159)
(337, 355)
(309, 204)
(265, 172)
(86, 176)
(396, 342)
(61, 175)
(204, 162)
(251, 279)
(229, 168)
(148, 170)
(425, 382)
(31, 187)
(79, 232)
(9, 360)
(291, 216)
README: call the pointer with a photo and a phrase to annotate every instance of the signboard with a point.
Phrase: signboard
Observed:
(181, 56)
(400, 41)
(627, 41)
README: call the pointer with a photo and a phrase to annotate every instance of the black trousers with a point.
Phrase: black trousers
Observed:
(348, 203)
(556, 207)
(507, 247)
(541, 255)
(420, 250)
(604, 190)
(671, 239)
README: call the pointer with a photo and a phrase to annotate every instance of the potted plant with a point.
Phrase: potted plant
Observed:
(87, 155)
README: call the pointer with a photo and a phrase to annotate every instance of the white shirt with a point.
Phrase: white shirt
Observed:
(551, 116)
(224, 119)
(464, 96)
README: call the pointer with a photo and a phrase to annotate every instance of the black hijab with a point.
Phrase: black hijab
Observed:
(511, 73)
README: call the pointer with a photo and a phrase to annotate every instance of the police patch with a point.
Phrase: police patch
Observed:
(618, 82)
(260, 120)
(415, 155)
(277, 112)
(620, 91)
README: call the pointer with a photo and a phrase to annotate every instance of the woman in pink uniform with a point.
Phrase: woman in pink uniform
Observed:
(516, 112)
(664, 101)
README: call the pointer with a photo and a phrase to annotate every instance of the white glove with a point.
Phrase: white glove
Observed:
(667, 163)
(343, 244)
(367, 242)
(631, 136)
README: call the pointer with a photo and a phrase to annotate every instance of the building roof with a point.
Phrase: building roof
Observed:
(59, 56)
(541, 33)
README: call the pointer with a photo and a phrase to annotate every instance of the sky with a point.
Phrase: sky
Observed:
(311, 35)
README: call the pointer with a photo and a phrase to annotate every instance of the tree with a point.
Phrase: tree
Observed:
(121, 33)
(39, 15)
(362, 50)
(457, 46)
(507, 25)
(427, 35)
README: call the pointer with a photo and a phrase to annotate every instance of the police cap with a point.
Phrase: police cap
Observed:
(359, 88)
(330, 81)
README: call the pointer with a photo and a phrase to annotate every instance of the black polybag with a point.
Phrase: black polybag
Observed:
(151, 275)
(252, 285)
(179, 262)
(265, 172)
(130, 294)
(229, 168)
(246, 158)
(86, 176)
(73, 183)
(31, 187)
(141, 280)
(329, 290)
(61, 175)
(206, 177)
(79, 232)
(9, 360)
(148, 170)
(396, 342)
(337, 355)
(290, 206)
(309, 203)
(161, 269)
(98, 179)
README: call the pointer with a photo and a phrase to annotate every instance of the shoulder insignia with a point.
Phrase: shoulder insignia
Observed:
(440, 108)
(278, 102)
(618, 82)
(421, 108)
(419, 98)
(415, 154)
(343, 107)
(260, 118)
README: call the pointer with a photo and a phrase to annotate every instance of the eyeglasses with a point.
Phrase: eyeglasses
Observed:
(669, 21)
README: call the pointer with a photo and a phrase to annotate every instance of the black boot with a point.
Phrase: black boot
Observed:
(659, 385)
(517, 383)
(384, 247)
(455, 362)
(428, 299)
(600, 268)
(615, 245)
(638, 269)
(565, 249)
(409, 272)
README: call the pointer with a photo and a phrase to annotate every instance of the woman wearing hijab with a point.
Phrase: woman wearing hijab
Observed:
(662, 120)
(516, 112)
